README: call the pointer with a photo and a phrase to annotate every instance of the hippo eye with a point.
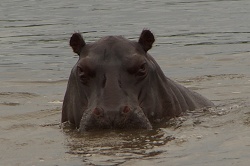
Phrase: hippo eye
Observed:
(83, 78)
(82, 75)
(142, 71)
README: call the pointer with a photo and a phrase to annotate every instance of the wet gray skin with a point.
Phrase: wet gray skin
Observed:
(116, 84)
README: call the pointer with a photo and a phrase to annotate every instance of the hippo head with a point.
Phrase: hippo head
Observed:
(116, 84)
(107, 85)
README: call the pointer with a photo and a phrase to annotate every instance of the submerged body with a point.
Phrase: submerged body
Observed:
(117, 84)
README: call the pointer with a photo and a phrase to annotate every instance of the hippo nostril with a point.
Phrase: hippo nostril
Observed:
(98, 112)
(126, 110)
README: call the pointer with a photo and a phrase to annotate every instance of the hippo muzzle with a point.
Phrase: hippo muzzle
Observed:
(122, 118)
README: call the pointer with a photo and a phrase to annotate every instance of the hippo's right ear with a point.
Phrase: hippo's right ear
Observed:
(77, 43)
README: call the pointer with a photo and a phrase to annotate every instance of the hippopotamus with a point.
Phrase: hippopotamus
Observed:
(117, 84)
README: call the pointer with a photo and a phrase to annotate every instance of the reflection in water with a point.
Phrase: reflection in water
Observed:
(110, 146)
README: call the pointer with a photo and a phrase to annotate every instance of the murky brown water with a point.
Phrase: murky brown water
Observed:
(204, 45)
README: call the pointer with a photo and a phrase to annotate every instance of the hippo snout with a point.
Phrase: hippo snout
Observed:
(125, 117)
(99, 112)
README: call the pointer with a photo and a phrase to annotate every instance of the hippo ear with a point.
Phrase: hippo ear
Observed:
(146, 39)
(77, 43)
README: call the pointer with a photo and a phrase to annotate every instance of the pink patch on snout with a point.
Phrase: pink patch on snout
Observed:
(97, 111)
(126, 110)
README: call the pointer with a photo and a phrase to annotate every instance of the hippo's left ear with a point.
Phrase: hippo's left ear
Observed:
(146, 39)
(77, 43)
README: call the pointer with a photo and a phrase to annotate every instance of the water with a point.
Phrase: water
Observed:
(203, 44)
